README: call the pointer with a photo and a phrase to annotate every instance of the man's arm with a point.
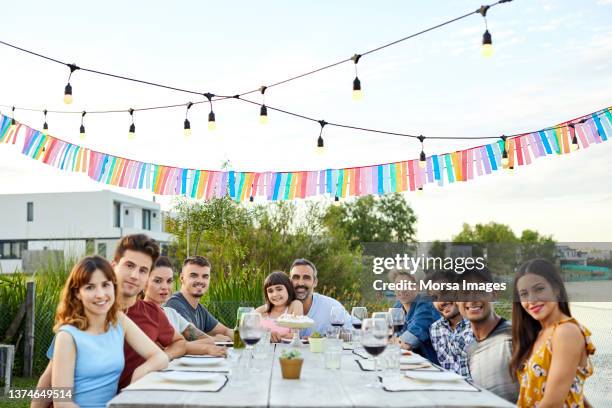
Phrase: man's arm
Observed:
(221, 329)
(178, 346)
(192, 333)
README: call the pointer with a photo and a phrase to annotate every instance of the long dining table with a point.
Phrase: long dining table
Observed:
(317, 387)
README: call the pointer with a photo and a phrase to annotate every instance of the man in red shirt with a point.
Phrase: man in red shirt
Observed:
(132, 262)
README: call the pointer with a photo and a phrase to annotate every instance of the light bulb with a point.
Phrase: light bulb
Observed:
(336, 202)
(487, 44)
(45, 128)
(187, 128)
(68, 94)
(420, 191)
(320, 146)
(82, 132)
(505, 162)
(212, 125)
(263, 115)
(422, 160)
(357, 94)
(574, 143)
(132, 132)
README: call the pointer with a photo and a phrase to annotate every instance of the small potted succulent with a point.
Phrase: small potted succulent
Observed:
(291, 364)
(316, 342)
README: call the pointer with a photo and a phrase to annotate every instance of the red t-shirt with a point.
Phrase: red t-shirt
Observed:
(153, 321)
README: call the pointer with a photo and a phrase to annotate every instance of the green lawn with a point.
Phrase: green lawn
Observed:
(19, 383)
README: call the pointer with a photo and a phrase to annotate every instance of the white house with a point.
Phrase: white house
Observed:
(72, 223)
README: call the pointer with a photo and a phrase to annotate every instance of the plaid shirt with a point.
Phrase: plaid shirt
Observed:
(451, 345)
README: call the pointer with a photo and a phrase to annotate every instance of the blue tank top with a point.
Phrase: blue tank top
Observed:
(99, 363)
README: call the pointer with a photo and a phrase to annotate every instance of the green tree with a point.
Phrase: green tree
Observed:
(387, 218)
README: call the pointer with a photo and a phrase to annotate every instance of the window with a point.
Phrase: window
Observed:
(12, 249)
(30, 211)
(146, 219)
(102, 249)
(89, 246)
(116, 214)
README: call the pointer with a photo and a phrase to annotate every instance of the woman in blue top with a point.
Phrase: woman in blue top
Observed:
(420, 314)
(88, 348)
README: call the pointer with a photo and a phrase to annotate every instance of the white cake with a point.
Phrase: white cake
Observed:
(294, 322)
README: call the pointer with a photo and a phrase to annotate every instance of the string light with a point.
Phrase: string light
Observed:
(82, 128)
(212, 125)
(132, 131)
(320, 143)
(422, 156)
(504, 159)
(13, 121)
(68, 89)
(357, 94)
(420, 191)
(263, 111)
(487, 41)
(45, 125)
(187, 125)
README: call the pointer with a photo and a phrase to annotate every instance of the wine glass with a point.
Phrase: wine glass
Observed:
(397, 316)
(388, 319)
(374, 341)
(337, 317)
(250, 332)
(358, 313)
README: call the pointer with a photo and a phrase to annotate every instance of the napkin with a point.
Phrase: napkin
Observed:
(406, 384)
(368, 365)
(154, 382)
(175, 365)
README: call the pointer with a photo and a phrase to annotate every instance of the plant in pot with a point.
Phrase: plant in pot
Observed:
(291, 364)
(316, 342)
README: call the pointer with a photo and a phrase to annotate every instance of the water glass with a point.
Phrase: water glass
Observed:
(391, 359)
(237, 359)
(262, 348)
(333, 353)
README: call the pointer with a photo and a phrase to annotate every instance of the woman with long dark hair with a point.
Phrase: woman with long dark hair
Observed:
(87, 350)
(280, 299)
(550, 348)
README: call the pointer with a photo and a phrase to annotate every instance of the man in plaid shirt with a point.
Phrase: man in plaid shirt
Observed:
(451, 334)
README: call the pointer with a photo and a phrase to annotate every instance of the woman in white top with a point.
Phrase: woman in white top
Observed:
(280, 299)
(158, 290)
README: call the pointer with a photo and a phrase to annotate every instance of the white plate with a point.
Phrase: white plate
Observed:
(411, 359)
(433, 376)
(284, 340)
(189, 377)
(200, 361)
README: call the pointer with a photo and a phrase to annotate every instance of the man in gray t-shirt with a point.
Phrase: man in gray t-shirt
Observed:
(489, 354)
(195, 278)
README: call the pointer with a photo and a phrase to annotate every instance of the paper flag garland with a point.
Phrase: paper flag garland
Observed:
(401, 176)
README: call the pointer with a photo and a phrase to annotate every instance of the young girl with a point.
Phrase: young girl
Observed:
(87, 352)
(551, 349)
(280, 299)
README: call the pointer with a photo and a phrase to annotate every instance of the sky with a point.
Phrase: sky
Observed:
(552, 62)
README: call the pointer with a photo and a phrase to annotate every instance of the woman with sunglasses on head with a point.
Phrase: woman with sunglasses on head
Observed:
(550, 348)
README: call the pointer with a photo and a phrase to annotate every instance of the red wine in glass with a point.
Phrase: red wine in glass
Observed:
(357, 325)
(251, 340)
(375, 350)
(336, 324)
(398, 328)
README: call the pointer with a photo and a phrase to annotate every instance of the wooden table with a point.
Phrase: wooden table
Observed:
(318, 387)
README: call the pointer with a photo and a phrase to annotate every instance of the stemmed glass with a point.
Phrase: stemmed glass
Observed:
(336, 318)
(388, 319)
(358, 313)
(397, 316)
(250, 332)
(374, 340)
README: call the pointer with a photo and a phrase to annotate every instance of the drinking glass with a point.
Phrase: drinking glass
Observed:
(392, 357)
(374, 334)
(397, 316)
(358, 313)
(336, 318)
(250, 332)
(333, 353)
(387, 317)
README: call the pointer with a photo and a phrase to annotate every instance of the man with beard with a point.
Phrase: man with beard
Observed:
(195, 278)
(303, 275)
(489, 354)
(451, 334)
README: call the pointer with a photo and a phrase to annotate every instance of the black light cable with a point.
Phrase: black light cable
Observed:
(68, 89)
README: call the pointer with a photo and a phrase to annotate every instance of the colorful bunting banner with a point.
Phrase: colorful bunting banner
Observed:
(457, 166)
